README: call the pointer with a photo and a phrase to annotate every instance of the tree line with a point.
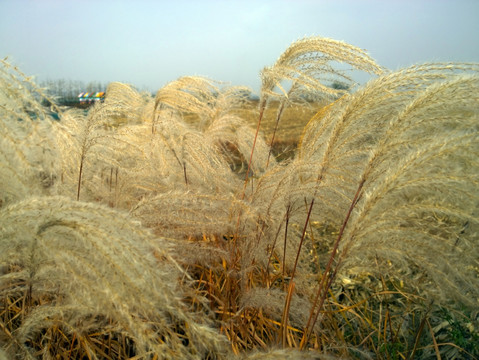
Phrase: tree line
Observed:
(66, 92)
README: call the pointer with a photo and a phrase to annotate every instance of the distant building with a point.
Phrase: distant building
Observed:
(89, 97)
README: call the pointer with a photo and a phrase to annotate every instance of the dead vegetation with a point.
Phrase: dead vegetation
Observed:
(198, 224)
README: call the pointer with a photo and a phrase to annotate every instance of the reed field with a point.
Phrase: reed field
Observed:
(316, 222)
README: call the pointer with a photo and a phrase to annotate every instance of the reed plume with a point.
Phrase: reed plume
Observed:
(83, 140)
(308, 64)
(212, 110)
(401, 154)
(306, 67)
(189, 94)
(124, 105)
(431, 192)
(338, 142)
(27, 148)
(194, 163)
(78, 267)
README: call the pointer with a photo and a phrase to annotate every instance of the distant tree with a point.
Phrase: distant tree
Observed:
(339, 85)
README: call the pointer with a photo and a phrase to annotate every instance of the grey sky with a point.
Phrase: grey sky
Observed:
(149, 43)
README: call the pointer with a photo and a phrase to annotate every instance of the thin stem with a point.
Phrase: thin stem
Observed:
(278, 117)
(285, 239)
(261, 112)
(302, 238)
(284, 320)
(80, 172)
(419, 332)
(291, 288)
(311, 321)
(286, 216)
(184, 171)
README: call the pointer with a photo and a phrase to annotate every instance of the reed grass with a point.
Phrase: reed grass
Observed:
(71, 267)
(172, 227)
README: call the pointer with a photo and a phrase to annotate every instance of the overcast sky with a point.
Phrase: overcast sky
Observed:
(149, 43)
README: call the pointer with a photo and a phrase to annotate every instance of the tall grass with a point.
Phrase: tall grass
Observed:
(166, 228)
(71, 267)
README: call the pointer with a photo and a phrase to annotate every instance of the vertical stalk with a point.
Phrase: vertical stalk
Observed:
(261, 113)
(286, 216)
(80, 172)
(302, 238)
(285, 317)
(285, 239)
(184, 171)
(291, 287)
(419, 332)
(278, 117)
(311, 321)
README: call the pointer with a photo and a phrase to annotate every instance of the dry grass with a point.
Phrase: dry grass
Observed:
(200, 224)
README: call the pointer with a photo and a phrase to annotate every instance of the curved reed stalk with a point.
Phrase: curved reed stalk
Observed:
(189, 94)
(125, 105)
(426, 205)
(428, 143)
(308, 64)
(76, 268)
